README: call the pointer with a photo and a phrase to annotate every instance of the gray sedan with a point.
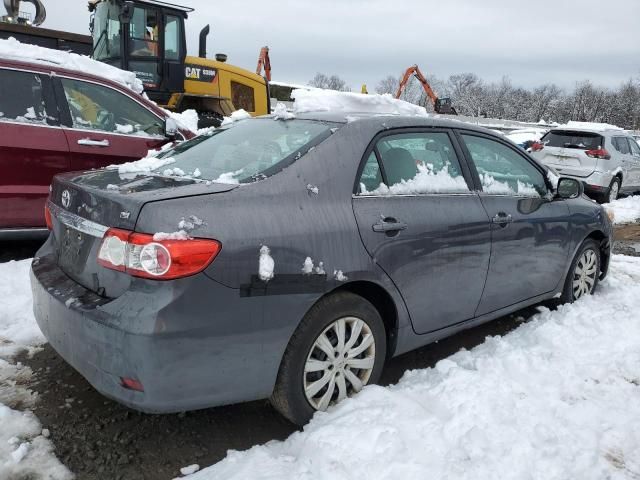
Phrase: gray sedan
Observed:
(288, 259)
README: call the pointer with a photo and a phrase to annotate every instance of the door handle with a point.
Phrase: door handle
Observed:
(502, 219)
(388, 225)
(93, 143)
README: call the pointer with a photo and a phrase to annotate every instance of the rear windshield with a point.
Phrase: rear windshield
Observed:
(246, 151)
(568, 139)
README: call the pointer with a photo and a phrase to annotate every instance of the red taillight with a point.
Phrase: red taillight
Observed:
(537, 146)
(47, 217)
(132, 384)
(138, 254)
(598, 153)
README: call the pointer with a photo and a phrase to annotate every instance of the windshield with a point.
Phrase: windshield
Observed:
(106, 31)
(567, 139)
(246, 151)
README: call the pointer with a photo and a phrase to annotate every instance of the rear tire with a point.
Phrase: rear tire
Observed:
(319, 369)
(613, 192)
(584, 272)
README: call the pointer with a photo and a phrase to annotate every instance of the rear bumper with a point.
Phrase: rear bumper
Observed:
(186, 354)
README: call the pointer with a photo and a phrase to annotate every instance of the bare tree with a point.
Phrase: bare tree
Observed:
(388, 84)
(333, 82)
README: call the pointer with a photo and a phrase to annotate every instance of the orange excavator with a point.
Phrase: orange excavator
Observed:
(264, 62)
(440, 105)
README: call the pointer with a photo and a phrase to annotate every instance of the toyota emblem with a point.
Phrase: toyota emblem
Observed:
(66, 198)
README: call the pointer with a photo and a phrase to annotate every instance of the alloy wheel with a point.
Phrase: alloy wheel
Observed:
(585, 273)
(339, 362)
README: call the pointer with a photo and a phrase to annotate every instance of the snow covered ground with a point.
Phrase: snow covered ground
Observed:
(625, 210)
(557, 398)
(25, 449)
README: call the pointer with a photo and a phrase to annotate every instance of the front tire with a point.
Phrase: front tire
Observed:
(338, 348)
(584, 273)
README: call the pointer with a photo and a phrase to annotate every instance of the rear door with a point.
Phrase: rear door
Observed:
(529, 232)
(424, 226)
(33, 147)
(635, 164)
(104, 126)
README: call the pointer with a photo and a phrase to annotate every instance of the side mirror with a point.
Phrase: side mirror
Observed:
(569, 188)
(170, 128)
(126, 12)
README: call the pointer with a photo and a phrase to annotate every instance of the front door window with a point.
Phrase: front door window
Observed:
(96, 107)
(504, 171)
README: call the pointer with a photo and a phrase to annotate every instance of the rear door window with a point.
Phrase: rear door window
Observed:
(22, 97)
(571, 139)
(502, 170)
(413, 164)
(96, 107)
(635, 149)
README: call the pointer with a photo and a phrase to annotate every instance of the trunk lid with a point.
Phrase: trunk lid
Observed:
(564, 150)
(85, 205)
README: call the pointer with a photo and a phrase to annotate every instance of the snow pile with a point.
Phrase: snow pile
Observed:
(426, 181)
(556, 399)
(18, 327)
(592, 126)
(236, 117)
(333, 101)
(15, 50)
(625, 210)
(281, 112)
(266, 264)
(191, 469)
(526, 135)
(187, 119)
(491, 185)
(179, 235)
(144, 165)
(229, 177)
(24, 448)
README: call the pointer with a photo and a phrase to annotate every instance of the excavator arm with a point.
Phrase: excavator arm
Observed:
(440, 105)
(264, 62)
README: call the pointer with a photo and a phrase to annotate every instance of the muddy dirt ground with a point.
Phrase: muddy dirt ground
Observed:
(100, 439)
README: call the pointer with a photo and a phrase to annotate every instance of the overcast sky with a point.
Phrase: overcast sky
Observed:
(531, 42)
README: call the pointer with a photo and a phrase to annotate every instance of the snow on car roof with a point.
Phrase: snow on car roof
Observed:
(590, 126)
(12, 49)
(349, 102)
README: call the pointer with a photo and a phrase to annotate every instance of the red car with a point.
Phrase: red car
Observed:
(55, 120)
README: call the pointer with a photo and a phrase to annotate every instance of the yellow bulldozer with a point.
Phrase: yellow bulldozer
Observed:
(148, 38)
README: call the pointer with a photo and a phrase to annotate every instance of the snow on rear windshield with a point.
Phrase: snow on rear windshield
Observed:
(567, 139)
(249, 150)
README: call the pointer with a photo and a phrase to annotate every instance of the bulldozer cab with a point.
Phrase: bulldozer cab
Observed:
(146, 37)
(444, 105)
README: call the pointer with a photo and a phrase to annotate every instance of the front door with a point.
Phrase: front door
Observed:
(33, 147)
(529, 231)
(104, 126)
(423, 225)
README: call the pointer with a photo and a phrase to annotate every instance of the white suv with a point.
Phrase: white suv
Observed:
(605, 158)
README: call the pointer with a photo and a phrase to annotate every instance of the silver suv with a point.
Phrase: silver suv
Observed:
(604, 158)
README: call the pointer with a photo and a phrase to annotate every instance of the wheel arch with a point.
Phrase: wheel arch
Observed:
(605, 250)
(382, 300)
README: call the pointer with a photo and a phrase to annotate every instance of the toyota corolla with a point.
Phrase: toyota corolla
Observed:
(288, 259)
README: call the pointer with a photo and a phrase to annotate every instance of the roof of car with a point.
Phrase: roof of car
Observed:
(47, 67)
(390, 120)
